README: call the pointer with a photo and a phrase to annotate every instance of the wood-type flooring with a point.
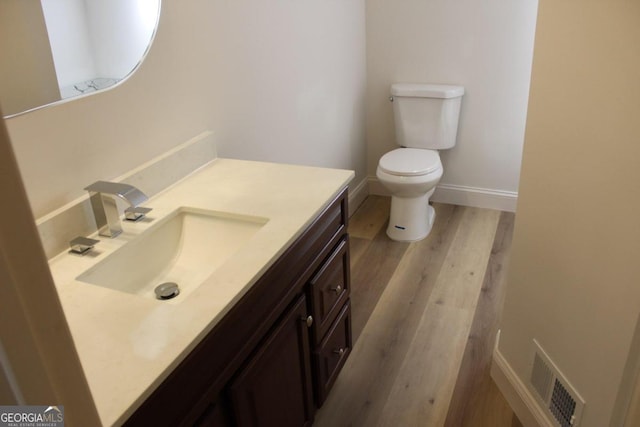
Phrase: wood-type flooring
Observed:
(424, 316)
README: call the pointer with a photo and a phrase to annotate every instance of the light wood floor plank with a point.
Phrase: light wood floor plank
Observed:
(357, 248)
(476, 401)
(488, 408)
(381, 256)
(425, 383)
(417, 305)
(370, 217)
(370, 275)
(462, 273)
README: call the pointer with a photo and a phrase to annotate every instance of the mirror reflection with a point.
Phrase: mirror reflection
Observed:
(53, 50)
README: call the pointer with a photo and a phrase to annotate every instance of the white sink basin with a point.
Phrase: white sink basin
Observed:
(185, 247)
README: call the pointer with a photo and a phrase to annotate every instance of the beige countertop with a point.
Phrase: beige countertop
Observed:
(128, 343)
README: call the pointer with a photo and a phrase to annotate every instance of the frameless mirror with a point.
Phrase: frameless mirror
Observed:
(54, 50)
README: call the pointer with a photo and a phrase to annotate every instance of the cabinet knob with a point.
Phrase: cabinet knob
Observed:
(339, 351)
(308, 320)
(337, 289)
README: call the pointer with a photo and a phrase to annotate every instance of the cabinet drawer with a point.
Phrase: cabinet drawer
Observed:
(329, 289)
(332, 354)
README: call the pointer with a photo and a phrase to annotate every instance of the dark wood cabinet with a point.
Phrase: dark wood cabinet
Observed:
(215, 415)
(274, 388)
(262, 365)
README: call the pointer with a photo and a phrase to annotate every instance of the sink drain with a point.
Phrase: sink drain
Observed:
(167, 290)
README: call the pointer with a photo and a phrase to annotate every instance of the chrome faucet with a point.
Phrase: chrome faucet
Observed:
(105, 208)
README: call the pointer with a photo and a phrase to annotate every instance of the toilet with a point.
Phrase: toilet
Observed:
(426, 120)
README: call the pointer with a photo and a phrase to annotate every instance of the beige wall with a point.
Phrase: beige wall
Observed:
(27, 74)
(36, 347)
(290, 81)
(282, 81)
(574, 279)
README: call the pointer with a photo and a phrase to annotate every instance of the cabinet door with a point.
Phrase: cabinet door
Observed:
(274, 388)
(213, 416)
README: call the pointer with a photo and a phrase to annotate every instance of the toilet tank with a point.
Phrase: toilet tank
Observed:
(426, 115)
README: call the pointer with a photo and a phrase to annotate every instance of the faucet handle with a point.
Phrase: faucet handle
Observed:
(80, 245)
(136, 213)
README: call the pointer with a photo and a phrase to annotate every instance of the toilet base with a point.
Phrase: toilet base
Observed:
(411, 218)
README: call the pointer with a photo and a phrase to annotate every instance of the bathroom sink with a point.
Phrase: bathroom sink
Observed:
(185, 248)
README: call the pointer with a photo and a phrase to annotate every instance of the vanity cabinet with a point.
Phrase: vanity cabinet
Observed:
(274, 356)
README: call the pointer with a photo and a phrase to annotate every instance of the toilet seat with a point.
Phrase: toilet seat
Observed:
(410, 162)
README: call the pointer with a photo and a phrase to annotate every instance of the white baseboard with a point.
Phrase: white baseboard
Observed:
(522, 402)
(357, 194)
(462, 195)
(476, 197)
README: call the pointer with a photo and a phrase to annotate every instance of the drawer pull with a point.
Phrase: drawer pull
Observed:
(308, 320)
(337, 289)
(339, 351)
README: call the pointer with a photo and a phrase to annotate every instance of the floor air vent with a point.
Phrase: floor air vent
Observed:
(554, 391)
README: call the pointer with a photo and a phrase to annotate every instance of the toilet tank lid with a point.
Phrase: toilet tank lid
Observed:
(420, 90)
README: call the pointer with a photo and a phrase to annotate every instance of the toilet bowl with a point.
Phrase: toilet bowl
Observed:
(410, 175)
(426, 120)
